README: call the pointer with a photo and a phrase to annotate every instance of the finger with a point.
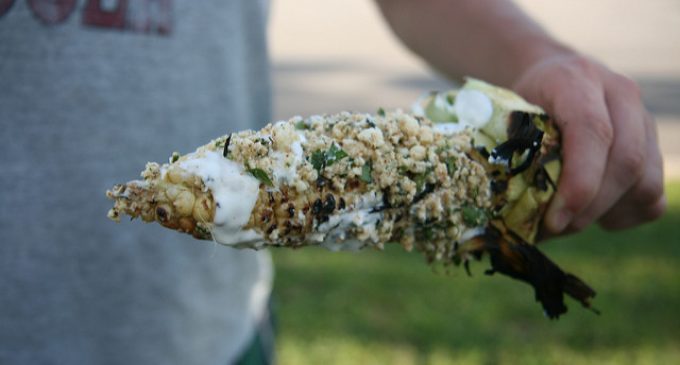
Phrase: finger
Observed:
(632, 215)
(645, 201)
(586, 138)
(625, 164)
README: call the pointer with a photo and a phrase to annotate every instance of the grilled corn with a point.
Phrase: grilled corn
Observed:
(469, 171)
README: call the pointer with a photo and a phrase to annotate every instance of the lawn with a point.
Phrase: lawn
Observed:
(390, 308)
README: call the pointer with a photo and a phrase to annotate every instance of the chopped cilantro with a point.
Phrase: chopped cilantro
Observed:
(321, 159)
(428, 233)
(260, 175)
(318, 159)
(381, 112)
(451, 165)
(420, 181)
(450, 99)
(366, 171)
(301, 125)
(174, 157)
(202, 231)
(473, 216)
(334, 154)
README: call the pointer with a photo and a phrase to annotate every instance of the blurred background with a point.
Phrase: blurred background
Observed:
(389, 307)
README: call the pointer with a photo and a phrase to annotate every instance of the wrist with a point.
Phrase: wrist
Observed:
(530, 53)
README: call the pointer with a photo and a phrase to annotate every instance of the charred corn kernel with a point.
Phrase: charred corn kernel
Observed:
(173, 190)
(164, 213)
(202, 210)
(175, 174)
(186, 224)
(184, 203)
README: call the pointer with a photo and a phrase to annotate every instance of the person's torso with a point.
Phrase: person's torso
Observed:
(90, 90)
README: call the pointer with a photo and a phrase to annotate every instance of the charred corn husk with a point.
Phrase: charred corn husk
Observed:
(469, 172)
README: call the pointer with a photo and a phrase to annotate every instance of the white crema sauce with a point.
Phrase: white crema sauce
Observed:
(234, 192)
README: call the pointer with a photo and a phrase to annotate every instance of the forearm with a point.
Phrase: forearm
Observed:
(489, 39)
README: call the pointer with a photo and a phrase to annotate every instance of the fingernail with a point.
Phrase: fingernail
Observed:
(558, 217)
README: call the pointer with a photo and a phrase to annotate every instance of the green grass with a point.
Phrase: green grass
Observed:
(390, 308)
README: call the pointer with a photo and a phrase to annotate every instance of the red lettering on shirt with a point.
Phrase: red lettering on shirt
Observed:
(96, 15)
(143, 16)
(5, 5)
(51, 11)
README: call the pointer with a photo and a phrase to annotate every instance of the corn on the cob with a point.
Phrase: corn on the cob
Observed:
(476, 180)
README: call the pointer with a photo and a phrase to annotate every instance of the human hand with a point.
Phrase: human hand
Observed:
(612, 167)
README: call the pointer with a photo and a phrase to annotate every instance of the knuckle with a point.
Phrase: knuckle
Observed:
(632, 161)
(584, 63)
(602, 130)
(581, 193)
(629, 86)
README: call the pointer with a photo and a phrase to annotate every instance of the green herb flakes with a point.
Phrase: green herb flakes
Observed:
(420, 181)
(366, 171)
(321, 159)
(473, 216)
(301, 125)
(317, 159)
(334, 154)
(451, 165)
(261, 175)
(381, 112)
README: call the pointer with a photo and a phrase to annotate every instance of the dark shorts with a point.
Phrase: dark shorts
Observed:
(260, 351)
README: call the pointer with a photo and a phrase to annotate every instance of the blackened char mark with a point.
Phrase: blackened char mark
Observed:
(526, 263)
(542, 180)
(323, 209)
(321, 181)
(225, 152)
(317, 207)
(522, 135)
(329, 204)
(428, 189)
(385, 202)
(499, 186)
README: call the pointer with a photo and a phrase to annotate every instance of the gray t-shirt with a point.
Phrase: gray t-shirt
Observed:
(90, 90)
